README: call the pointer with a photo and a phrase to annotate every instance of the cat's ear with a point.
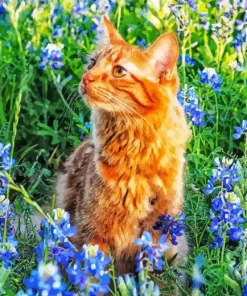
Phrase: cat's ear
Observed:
(112, 33)
(163, 54)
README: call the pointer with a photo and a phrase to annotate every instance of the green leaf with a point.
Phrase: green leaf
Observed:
(233, 284)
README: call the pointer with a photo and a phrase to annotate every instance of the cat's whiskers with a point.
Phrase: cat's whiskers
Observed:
(72, 98)
(132, 110)
(120, 104)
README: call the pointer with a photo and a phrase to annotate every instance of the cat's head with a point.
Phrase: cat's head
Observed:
(125, 78)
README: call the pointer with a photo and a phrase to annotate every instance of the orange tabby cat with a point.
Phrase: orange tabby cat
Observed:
(119, 182)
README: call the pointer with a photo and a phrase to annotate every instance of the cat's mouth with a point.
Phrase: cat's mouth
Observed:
(90, 96)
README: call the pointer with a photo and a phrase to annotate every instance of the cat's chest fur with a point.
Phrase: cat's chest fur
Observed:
(140, 171)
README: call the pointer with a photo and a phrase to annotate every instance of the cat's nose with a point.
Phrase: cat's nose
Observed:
(87, 78)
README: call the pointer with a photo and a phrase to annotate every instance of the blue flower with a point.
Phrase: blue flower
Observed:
(239, 131)
(2, 9)
(58, 32)
(217, 203)
(52, 57)
(89, 270)
(235, 233)
(191, 3)
(188, 60)
(197, 278)
(189, 101)
(8, 250)
(80, 8)
(142, 43)
(226, 172)
(217, 243)
(173, 225)
(209, 75)
(150, 253)
(5, 161)
(46, 280)
(3, 185)
(210, 187)
(244, 290)
(215, 225)
(226, 218)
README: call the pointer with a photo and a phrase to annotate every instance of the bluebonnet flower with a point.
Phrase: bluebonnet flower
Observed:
(2, 9)
(191, 3)
(57, 11)
(239, 131)
(87, 126)
(52, 57)
(58, 233)
(5, 160)
(244, 290)
(235, 233)
(189, 100)
(8, 251)
(209, 75)
(226, 172)
(3, 185)
(173, 225)
(80, 8)
(204, 21)
(89, 269)
(197, 278)
(142, 43)
(237, 43)
(188, 60)
(226, 218)
(57, 32)
(46, 280)
(85, 269)
(150, 253)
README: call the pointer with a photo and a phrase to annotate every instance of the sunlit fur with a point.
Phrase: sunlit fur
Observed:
(119, 182)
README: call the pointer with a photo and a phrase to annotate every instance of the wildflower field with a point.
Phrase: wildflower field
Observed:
(43, 53)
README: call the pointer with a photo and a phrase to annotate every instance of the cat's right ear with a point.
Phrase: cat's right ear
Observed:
(112, 33)
(163, 54)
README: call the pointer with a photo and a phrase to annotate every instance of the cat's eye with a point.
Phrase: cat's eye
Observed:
(91, 64)
(119, 71)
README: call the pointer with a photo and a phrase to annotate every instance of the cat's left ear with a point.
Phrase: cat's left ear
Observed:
(112, 33)
(163, 54)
